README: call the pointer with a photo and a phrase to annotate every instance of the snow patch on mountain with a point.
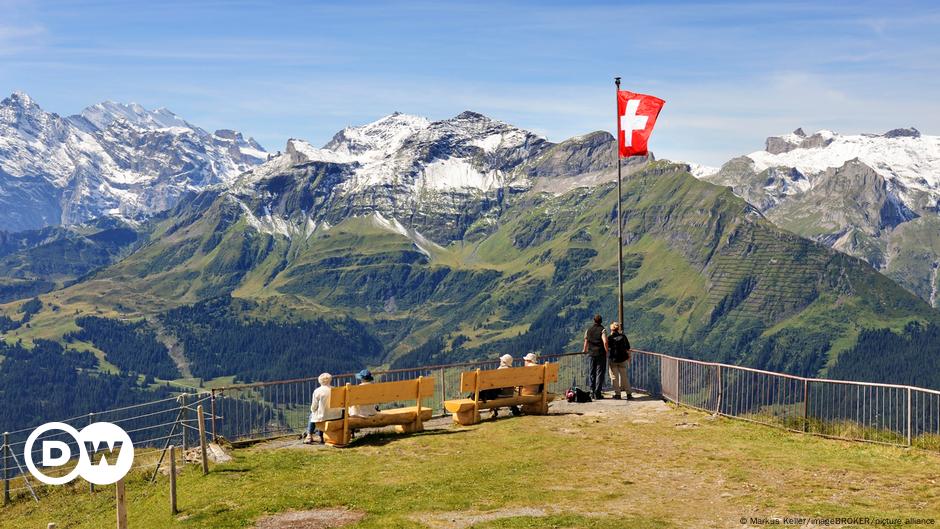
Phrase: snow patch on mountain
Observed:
(103, 114)
(422, 243)
(305, 152)
(456, 173)
(377, 139)
(935, 269)
(271, 224)
(701, 171)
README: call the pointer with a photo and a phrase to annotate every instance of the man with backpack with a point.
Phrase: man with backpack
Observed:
(595, 345)
(619, 362)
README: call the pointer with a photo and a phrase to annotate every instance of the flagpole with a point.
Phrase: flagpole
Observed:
(619, 218)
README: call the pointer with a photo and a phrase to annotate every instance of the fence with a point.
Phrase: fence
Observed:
(151, 426)
(879, 413)
(855, 411)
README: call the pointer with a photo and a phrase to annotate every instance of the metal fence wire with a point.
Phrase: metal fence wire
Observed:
(858, 411)
(151, 426)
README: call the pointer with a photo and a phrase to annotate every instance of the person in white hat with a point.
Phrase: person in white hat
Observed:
(531, 359)
(320, 410)
(505, 362)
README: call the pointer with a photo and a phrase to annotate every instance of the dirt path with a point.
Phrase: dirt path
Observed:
(174, 348)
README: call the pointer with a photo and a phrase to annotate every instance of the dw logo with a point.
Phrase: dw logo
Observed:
(105, 453)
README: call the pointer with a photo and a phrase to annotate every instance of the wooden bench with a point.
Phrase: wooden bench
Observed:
(407, 419)
(467, 411)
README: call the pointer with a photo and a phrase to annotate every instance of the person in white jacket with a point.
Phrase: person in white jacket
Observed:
(320, 410)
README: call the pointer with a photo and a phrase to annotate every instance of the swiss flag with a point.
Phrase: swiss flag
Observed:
(636, 117)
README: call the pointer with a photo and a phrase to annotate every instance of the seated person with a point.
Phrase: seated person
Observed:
(533, 389)
(505, 362)
(364, 377)
(320, 410)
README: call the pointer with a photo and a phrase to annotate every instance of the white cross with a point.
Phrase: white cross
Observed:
(630, 122)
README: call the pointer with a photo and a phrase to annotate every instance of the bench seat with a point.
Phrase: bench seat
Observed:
(396, 416)
(462, 405)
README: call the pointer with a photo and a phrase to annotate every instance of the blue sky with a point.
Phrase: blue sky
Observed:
(731, 73)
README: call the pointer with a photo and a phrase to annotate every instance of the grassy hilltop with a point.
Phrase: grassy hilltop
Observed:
(609, 466)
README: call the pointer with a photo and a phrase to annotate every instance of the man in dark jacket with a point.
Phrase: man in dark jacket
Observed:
(595, 345)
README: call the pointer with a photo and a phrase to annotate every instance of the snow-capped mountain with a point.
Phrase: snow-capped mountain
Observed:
(112, 159)
(438, 181)
(439, 177)
(875, 196)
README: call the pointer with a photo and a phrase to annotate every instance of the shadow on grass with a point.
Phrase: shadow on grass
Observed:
(384, 438)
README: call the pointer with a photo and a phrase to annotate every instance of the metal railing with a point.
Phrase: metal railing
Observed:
(248, 412)
(857, 411)
(854, 411)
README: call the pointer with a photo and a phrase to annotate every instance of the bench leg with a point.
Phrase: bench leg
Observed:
(334, 438)
(412, 427)
(466, 418)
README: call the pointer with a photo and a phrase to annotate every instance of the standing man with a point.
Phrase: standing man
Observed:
(619, 347)
(595, 345)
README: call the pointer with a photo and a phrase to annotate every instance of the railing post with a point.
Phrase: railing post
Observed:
(718, 399)
(443, 392)
(909, 414)
(805, 404)
(202, 440)
(678, 385)
(6, 468)
(215, 437)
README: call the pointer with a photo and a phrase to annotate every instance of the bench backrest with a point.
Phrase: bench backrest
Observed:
(509, 377)
(381, 392)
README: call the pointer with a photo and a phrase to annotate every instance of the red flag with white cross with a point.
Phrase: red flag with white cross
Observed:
(637, 115)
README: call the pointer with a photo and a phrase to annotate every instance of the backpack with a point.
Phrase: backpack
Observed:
(575, 394)
(619, 346)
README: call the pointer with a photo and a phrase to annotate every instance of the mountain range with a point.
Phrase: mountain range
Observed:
(409, 241)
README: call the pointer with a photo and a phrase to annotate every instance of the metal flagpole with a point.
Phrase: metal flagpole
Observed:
(619, 218)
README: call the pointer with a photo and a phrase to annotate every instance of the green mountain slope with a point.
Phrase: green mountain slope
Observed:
(38, 261)
(706, 276)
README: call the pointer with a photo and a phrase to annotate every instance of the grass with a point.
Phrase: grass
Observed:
(671, 468)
